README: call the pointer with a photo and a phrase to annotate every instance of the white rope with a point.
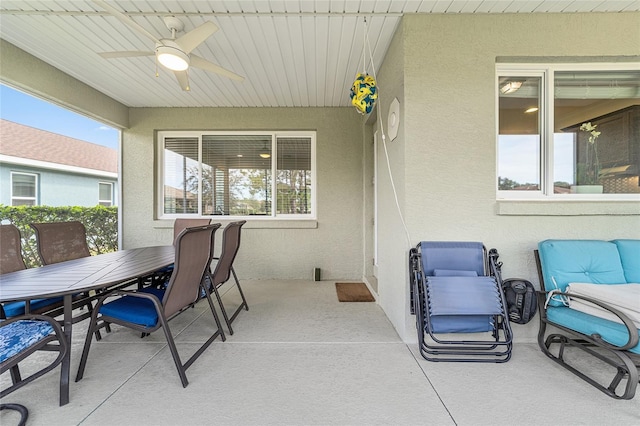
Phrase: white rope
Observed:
(384, 138)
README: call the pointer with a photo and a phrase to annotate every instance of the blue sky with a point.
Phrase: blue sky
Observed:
(25, 109)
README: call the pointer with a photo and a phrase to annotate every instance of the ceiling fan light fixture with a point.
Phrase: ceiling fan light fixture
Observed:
(172, 57)
(510, 87)
(265, 155)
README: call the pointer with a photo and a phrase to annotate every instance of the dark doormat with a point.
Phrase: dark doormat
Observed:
(353, 292)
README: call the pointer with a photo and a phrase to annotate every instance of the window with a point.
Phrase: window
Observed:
(24, 189)
(239, 174)
(568, 131)
(105, 194)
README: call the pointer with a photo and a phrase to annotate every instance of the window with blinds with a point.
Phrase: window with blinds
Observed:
(237, 174)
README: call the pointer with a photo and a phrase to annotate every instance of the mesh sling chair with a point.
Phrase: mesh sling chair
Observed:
(159, 278)
(224, 269)
(608, 333)
(10, 261)
(456, 288)
(150, 309)
(22, 336)
(60, 242)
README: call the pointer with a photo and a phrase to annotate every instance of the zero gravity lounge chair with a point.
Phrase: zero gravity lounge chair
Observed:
(456, 288)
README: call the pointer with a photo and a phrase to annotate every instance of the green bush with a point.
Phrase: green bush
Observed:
(101, 224)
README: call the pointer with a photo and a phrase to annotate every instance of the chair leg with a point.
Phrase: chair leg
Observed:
(24, 413)
(15, 374)
(215, 314)
(174, 350)
(224, 311)
(93, 327)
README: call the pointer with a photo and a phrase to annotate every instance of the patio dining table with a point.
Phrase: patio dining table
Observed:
(100, 272)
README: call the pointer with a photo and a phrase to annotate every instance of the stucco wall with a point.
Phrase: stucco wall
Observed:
(288, 251)
(449, 143)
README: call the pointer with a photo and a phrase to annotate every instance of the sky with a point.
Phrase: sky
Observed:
(25, 109)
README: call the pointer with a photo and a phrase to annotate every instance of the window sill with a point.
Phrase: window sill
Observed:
(566, 208)
(251, 224)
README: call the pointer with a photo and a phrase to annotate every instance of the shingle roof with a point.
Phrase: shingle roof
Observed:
(22, 141)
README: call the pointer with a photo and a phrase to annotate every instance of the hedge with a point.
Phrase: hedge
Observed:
(101, 224)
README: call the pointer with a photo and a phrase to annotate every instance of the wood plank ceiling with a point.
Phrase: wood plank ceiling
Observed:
(292, 53)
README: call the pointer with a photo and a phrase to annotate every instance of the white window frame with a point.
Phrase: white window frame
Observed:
(37, 185)
(547, 72)
(110, 200)
(161, 135)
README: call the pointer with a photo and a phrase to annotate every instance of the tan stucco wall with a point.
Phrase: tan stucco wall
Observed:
(448, 150)
(334, 244)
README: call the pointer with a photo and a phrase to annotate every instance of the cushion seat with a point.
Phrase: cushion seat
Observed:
(133, 309)
(13, 309)
(20, 335)
(611, 332)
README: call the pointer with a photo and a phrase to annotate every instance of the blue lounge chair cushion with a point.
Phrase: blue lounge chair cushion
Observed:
(610, 331)
(453, 273)
(20, 335)
(579, 261)
(630, 257)
(462, 304)
(452, 255)
(13, 309)
(136, 310)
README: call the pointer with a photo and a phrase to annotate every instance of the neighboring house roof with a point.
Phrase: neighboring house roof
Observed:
(17, 140)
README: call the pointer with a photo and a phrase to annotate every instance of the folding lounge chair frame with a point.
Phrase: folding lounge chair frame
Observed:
(438, 345)
(616, 356)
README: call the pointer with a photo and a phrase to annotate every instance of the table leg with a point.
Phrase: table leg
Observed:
(66, 361)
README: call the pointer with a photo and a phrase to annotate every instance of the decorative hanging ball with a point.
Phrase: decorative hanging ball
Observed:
(364, 93)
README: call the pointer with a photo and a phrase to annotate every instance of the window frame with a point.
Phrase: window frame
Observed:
(159, 184)
(110, 200)
(35, 198)
(547, 72)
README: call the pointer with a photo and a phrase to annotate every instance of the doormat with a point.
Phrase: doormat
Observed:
(353, 292)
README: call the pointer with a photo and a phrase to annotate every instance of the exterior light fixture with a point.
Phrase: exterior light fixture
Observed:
(171, 56)
(530, 110)
(510, 87)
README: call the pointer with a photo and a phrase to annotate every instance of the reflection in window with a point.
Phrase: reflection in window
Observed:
(594, 145)
(238, 174)
(23, 189)
(519, 134)
(105, 196)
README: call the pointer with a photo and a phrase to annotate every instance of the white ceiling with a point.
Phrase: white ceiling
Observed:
(292, 53)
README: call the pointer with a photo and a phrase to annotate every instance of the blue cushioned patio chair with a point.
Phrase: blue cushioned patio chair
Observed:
(613, 340)
(456, 288)
(150, 309)
(24, 335)
(224, 269)
(11, 261)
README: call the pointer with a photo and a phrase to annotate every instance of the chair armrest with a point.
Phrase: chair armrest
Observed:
(631, 327)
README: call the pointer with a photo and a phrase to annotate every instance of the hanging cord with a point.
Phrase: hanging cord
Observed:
(384, 138)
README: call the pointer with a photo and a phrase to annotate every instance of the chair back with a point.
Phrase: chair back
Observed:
(61, 241)
(230, 246)
(453, 258)
(193, 248)
(10, 249)
(180, 224)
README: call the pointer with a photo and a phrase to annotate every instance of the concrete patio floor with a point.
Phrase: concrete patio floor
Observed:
(300, 357)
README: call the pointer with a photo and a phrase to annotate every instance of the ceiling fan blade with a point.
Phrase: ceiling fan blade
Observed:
(125, 54)
(193, 38)
(125, 19)
(201, 63)
(183, 79)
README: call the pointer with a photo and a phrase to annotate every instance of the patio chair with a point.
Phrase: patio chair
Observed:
(161, 277)
(224, 269)
(457, 289)
(22, 336)
(10, 261)
(589, 311)
(150, 309)
(60, 242)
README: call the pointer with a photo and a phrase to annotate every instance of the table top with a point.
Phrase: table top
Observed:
(87, 273)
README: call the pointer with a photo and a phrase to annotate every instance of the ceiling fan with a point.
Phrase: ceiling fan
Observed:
(172, 53)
